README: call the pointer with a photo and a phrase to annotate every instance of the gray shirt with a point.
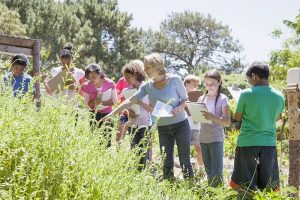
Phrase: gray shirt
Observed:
(213, 132)
(173, 93)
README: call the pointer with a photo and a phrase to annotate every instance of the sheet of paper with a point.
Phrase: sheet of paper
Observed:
(162, 109)
(196, 112)
(57, 83)
(127, 93)
(105, 97)
(235, 92)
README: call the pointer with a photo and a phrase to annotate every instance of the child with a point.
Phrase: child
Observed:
(123, 117)
(255, 162)
(93, 90)
(66, 58)
(17, 78)
(212, 135)
(138, 125)
(191, 83)
(167, 88)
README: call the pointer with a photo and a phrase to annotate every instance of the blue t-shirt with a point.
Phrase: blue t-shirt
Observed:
(173, 93)
(20, 84)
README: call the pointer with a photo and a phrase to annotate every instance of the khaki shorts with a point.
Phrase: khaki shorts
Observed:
(195, 137)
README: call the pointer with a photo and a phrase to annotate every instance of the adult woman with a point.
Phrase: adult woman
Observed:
(169, 89)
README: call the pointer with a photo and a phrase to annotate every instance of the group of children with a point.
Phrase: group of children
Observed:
(255, 164)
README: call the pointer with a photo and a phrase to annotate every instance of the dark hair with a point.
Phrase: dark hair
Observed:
(136, 70)
(66, 52)
(93, 67)
(214, 74)
(20, 59)
(261, 69)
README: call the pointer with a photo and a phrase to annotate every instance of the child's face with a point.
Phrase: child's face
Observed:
(65, 61)
(211, 85)
(94, 77)
(130, 79)
(191, 86)
(18, 70)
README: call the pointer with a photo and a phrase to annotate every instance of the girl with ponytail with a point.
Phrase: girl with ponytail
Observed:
(212, 135)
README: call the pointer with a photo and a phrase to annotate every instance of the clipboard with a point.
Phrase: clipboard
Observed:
(58, 83)
(193, 97)
(195, 109)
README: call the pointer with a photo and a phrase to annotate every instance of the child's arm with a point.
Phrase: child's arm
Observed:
(224, 121)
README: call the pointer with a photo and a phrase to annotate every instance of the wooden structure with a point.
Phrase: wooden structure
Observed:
(293, 94)
(29, 47)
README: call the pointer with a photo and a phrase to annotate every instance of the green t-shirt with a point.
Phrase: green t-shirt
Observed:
(260, 106)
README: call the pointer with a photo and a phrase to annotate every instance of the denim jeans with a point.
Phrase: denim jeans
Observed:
(212, 154)
(140, 140)
(181, 133)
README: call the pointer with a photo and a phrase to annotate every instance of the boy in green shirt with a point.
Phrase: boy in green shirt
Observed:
(255, 163)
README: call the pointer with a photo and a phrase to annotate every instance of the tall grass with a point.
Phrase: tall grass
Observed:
(43, 155)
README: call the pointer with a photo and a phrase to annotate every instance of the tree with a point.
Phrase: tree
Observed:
(192, 41)
(97, 26)
(287, 57)
(281, 61)
(10, 22)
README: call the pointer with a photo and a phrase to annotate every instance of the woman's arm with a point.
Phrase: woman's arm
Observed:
(124, 105)
(179, 108)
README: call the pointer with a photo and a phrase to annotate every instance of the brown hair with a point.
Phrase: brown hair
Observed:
(136, 68)
(190, 78)
(214, 74)
(93, 67)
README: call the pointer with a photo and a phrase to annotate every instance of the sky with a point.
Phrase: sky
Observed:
(251, 21)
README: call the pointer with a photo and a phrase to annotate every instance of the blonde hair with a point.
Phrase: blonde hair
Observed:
(190, 78)
(137, 63)
(155, 61)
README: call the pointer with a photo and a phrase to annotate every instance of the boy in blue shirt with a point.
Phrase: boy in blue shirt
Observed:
(17, 78)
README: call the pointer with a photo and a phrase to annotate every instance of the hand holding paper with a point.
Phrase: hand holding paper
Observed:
(162, 110)
(105, 96)
(127, 93)
(198, 112)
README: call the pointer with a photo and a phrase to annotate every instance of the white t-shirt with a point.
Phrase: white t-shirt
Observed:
(144, 118)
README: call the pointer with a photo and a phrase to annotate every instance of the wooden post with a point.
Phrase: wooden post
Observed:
(293, 95)
(29, 47)
(36, 70)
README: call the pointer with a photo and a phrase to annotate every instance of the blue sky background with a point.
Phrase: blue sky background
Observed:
(251, 21)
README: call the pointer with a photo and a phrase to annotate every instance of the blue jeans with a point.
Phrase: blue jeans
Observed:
(212, 154)
(181, 133)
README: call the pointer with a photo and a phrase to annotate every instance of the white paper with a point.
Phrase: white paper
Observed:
(162, 110)
(127, 93)
(235, 92)
(196, 112)
(105, 97)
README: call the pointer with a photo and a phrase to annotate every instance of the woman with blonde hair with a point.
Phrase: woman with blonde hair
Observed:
(169, 89)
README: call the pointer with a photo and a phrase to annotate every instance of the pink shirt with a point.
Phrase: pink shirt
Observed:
(121, 85)
(90, 89)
